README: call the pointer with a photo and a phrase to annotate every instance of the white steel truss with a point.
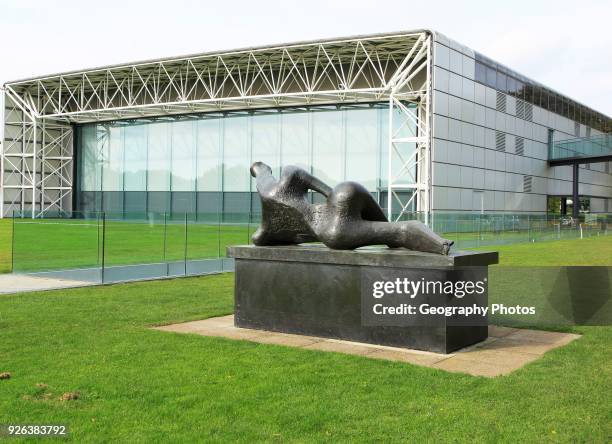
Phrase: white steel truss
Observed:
(36, 162)
(409, 167)
(41, 111)
(18, 159)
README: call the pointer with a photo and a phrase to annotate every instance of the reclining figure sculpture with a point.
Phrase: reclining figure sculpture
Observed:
(349, 218)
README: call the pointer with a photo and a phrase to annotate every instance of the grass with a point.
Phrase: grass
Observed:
(141, 385)
(572, 252)
(564, 280)
(6, 233)
(51, 244)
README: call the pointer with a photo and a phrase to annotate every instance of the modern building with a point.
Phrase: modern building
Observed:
(427, 124)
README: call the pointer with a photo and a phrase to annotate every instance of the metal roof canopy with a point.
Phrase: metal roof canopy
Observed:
(330, 71)
(385, 67)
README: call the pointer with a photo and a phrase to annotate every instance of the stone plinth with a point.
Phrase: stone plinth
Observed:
(313, 290)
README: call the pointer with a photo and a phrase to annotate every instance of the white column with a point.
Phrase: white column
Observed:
(389, 163)
(34, 142)
(2, 113)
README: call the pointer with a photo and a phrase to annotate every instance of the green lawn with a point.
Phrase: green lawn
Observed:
(51, 244)
(140, 385)
(6, 232)
(590, 251)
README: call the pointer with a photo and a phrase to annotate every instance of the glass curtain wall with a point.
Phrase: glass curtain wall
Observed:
(199, 164)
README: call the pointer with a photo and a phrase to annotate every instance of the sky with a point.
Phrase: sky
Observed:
(566, 45)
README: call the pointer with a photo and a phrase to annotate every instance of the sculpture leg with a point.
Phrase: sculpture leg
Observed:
(417, 236)
(260, 237)
(413, 235)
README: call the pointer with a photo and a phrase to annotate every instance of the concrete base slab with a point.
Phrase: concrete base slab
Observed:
(506, 349)
(18, 283)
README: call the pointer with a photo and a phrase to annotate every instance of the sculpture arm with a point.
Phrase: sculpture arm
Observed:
(318, 185)
(298, 178)
(264, 182)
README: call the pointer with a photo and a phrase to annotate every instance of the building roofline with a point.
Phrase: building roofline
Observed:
(437, 36)
(225, 52)
(512, 72)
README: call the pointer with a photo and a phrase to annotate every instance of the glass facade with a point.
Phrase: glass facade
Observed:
(199, 164)
(510, 82)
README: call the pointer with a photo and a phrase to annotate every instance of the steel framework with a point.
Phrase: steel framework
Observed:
(40, 113)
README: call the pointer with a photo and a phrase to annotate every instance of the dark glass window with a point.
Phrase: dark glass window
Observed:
(543, 98)
(520, 90)
(481, 73)
(502, 80)
(600, 122)
(552, 101)
(565, 111)
(135, 202)
(511, 86)
(158, 201)
(512, 83)
(491, 77)
(529, 93)
(559, 104)
(541, 93)
(585, 116)
(535, 99)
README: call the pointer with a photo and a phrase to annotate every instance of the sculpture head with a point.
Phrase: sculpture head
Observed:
(260, 169)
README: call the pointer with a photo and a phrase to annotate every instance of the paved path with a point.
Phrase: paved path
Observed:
(17, 283)
(506, 349)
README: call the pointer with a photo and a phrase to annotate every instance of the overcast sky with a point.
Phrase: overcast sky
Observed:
(566, 45)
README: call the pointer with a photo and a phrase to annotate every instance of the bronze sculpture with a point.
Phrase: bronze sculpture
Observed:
(349, 218)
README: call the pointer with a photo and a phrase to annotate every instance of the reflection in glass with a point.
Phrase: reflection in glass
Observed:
(361, 157)
(502, 79)
(512, 86)
(481, 73)
(159, 155)
(491, 77)
(209, 152)
(236, 154)
(328, 146)
(295, 139)
(110, 146)
(183, 156)
(134, 158)
(501, 82)
(201, 163)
